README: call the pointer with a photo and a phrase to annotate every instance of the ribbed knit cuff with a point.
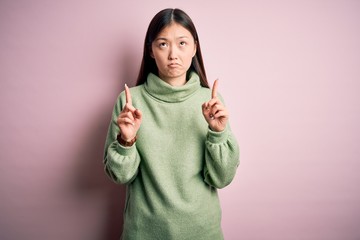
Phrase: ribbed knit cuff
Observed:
(125, 151)
(217, 137)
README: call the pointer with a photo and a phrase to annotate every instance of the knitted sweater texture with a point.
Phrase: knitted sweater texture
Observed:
(174, 169)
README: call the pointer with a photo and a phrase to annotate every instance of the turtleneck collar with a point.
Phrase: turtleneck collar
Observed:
(163, 91)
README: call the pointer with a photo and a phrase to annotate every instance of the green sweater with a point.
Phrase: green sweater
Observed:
(173, 170)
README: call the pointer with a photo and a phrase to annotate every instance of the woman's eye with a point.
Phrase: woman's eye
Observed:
(163, 44)
(182, 43)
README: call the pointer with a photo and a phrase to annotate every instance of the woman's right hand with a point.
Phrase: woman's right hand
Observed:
(129, 120)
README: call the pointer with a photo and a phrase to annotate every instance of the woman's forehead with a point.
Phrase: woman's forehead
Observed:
(174, 30)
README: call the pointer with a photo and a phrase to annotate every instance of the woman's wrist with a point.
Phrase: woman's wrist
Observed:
(125, 143)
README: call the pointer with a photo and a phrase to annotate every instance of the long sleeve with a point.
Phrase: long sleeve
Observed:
(175, 164)
(121, 163)
(221, 158)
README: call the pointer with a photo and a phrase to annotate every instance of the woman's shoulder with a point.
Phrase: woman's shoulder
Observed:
(137, 89)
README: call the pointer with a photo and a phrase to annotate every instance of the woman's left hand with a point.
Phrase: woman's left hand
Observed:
(215, 112)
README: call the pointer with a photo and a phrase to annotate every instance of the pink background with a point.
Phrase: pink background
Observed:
(290, 75)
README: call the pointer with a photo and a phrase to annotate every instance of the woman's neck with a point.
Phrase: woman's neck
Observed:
(163, 91)
(174, 81)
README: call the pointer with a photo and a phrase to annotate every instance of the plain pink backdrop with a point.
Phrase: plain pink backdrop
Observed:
(290, 75)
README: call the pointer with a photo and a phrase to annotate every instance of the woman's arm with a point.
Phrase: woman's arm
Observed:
(121, 163)
(221, 158)
(222, 150)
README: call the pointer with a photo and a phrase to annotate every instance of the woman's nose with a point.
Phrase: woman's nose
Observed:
(173, 53)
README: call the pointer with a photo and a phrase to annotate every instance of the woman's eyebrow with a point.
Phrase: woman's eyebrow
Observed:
(182, 37)
(160, 38)
(165, 39)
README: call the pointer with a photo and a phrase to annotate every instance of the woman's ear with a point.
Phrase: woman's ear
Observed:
(151, 52)
(195, 47)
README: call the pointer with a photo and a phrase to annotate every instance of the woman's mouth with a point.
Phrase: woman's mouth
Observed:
(173, 65)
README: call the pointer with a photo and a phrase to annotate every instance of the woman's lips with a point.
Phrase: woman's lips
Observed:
(174, 65)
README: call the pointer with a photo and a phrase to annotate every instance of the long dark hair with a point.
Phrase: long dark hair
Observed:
(160, 21)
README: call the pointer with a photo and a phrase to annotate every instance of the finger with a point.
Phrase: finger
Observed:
(205, 107)
(121, 121)
(128, 95)
(214, 89)
(138, 114)
(129, 108)
(207, 116)
(129, 115)
(221, 114)
(215, 108)
(213, 102)
(125, 121)
(206, 111)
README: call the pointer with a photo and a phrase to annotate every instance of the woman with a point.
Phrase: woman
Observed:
(169, 139)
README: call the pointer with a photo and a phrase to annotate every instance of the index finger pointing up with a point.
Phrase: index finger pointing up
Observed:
(214, 89)
(128, 95)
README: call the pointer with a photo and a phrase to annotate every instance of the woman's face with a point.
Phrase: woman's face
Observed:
(173, 50)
